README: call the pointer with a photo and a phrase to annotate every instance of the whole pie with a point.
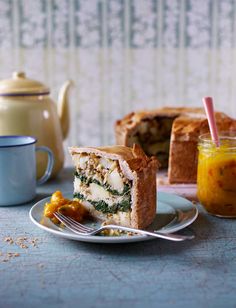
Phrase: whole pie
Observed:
(170, 134)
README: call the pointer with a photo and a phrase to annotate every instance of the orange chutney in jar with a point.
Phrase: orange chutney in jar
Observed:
(216, 178)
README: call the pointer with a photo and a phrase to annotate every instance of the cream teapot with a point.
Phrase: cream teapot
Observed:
(26, 109)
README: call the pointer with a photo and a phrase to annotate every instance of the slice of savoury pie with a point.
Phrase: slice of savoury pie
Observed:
(116, 184)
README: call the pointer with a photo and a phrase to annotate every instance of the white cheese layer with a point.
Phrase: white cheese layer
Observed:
(115, 181)
(83, 161)
(106, 163)
(96, 192)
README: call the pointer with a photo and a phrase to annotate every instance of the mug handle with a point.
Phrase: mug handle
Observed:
(50, 164)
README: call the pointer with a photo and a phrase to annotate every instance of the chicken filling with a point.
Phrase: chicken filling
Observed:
(153, 135)
(101, 182)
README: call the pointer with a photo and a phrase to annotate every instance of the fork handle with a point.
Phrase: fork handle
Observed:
(166, 236)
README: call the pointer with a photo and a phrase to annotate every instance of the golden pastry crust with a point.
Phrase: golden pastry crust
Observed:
(188, 125)
(138, 168)
(127, 126)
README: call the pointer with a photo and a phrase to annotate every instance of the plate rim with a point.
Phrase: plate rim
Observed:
(112, 239)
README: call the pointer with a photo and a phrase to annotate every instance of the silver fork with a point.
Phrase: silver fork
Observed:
(80, 229)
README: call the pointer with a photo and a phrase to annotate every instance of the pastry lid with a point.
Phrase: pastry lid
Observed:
(19, 85)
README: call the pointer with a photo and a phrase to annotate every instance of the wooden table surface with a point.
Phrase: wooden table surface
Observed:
(46, 271)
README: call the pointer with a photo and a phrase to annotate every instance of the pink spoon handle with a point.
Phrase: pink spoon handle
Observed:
(209, 109)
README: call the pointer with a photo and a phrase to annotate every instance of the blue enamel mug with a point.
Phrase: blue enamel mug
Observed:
(18, 169)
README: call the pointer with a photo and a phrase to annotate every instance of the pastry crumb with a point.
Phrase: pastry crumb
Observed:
(9, 240)
(8, 256)
(22, 242)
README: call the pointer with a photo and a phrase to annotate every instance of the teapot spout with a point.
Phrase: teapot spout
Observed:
(63, 108)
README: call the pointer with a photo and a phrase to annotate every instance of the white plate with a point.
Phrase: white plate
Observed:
(174, 213)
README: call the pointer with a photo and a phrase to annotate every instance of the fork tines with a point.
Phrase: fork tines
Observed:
(72, 224)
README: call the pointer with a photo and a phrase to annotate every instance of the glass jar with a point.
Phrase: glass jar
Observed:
(216, 178)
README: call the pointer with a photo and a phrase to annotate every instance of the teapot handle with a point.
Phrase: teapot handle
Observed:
(63, 108)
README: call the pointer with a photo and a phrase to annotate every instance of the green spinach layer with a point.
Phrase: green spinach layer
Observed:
(87, 181)
(101, 205)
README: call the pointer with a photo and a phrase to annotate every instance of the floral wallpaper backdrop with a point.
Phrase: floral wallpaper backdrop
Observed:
(122, 55)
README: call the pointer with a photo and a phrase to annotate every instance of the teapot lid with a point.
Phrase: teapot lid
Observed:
(20, 85)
